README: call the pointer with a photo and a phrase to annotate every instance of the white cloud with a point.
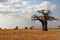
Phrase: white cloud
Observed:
(46, 5)
(25, 7)
(11, 1)
(25, 3)
(53, 7)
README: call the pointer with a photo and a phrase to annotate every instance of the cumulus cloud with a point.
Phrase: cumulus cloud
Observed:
(46, 5)
(3, 1)
(25, 7)
(13, 13)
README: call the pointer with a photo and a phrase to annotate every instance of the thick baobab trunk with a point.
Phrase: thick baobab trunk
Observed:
(44, 23)
(44, 26)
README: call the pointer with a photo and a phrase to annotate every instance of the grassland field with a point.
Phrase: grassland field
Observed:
(28, 34)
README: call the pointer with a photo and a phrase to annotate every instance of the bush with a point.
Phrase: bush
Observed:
(31, 27)
(26, 27)
(16, 28)
(59, 27)
(0, 28)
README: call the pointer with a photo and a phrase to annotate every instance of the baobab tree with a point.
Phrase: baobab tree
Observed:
(44, 18)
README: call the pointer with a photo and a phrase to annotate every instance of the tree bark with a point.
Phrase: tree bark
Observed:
(44, 23)
(44, 26)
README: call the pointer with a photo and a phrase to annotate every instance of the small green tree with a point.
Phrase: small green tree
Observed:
(44, 18)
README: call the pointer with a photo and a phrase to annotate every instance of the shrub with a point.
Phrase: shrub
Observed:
(16, 28)
(26, 27)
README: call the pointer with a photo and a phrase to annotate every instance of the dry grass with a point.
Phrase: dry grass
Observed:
(29, 35)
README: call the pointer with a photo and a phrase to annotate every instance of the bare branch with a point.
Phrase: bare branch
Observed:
(35, 17)
(48, 12)
(41, 11)
(52, 18)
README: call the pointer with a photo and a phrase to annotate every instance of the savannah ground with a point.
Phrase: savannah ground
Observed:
(28, 34)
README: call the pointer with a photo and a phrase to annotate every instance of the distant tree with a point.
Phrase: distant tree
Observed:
(0, 28)
(31, 27)
(26, 27)
(5, 28)
(59, 27)
(44, 18)
(16, 28)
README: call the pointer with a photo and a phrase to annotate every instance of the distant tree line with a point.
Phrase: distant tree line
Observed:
(29, 28)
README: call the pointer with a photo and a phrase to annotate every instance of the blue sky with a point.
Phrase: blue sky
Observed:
(19, 12)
